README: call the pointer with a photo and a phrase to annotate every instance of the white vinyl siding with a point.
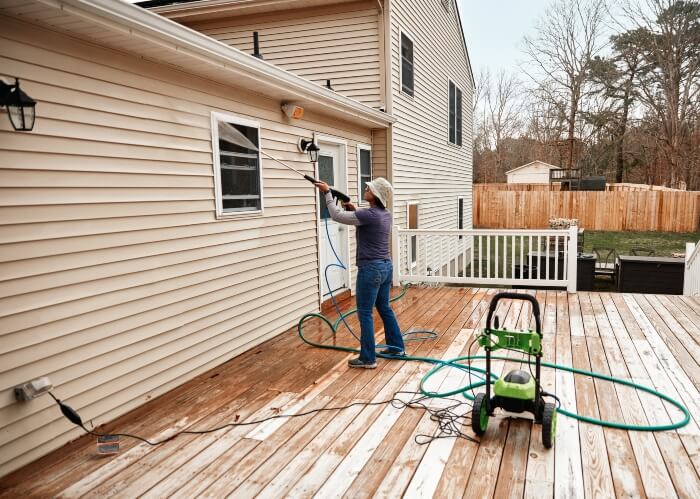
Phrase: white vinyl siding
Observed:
(338, 43)
(379, 154)
(426, 167)
(116, 278)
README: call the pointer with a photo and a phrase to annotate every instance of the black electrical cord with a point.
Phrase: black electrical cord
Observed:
(449, 421)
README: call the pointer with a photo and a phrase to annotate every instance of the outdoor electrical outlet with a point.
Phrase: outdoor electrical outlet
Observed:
(33, 389)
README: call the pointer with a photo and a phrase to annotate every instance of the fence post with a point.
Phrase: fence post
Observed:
(396, 255)
(688, 277)
(572, 253)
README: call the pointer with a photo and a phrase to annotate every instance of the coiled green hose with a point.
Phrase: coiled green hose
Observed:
(458, 363)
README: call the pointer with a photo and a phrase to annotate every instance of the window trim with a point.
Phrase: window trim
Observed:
(457, 87)
(460, 200)
(216, 165)
(402, 31)
(408, 226)
(360, 190)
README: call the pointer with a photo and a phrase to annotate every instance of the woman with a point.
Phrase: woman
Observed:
(374, 268)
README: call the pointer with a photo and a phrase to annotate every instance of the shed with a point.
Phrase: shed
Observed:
(535, 172)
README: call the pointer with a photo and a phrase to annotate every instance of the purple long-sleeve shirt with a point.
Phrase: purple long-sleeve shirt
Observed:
(373, 229)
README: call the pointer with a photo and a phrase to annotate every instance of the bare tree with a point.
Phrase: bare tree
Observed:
(502, 106)
(568, 38)
(667, 34)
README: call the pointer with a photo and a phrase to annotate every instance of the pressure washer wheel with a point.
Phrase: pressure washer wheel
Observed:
(480, 415)
(549, 425)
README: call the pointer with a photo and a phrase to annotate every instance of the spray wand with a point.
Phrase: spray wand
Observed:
(334, 192)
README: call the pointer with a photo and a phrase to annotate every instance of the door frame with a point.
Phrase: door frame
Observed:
(342, 145)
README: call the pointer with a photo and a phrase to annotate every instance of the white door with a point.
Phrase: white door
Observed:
(330, 170)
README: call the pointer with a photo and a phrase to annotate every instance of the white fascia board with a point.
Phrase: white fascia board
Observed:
(189, 42)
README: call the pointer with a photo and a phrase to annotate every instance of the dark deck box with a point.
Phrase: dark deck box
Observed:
(650, 274)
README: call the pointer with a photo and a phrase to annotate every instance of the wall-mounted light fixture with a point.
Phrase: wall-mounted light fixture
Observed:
(309, 147)
(20, 107)
(293, 111)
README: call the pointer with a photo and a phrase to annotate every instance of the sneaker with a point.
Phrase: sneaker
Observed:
(361, 363)
(393, 352)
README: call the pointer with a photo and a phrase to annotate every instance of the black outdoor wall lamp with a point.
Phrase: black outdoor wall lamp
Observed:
(310, 147)
(20, 107)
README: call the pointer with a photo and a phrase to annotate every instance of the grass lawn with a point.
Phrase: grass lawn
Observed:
(663, 243)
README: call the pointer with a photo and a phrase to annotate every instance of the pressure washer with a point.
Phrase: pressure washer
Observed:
(518, 391)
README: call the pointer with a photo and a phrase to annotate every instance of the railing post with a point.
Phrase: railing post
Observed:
(396, 255)
(688, 276)
(571, 274)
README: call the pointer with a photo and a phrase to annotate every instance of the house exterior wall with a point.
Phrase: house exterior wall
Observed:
(117, 280)
(537, 173)
(342, 43)
(426, 167)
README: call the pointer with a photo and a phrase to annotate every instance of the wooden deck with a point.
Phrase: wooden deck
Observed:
(370, 450)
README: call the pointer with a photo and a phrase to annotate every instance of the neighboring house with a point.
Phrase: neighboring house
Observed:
(128, 267)
(407, 57)
(535, 172)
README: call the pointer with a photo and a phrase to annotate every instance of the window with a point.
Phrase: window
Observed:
(460, 214)
(455, 115)
(406, 64)
(237, 171)
(412, 215)
(364, 173)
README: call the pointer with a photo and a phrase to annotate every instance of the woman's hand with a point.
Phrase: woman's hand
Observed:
(322, 186)
(349, 206)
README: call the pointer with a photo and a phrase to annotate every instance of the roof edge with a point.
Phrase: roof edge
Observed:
(182, 39)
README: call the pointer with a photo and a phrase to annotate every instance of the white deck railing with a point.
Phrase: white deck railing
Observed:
(691, 279)
(487, 257)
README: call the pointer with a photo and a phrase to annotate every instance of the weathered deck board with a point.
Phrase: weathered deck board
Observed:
(370, 451)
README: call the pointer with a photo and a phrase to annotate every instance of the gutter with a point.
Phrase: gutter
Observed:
(169, 34)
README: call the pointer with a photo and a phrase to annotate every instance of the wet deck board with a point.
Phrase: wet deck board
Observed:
(371, 451)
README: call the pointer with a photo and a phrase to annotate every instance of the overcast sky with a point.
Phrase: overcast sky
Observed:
(494, 30)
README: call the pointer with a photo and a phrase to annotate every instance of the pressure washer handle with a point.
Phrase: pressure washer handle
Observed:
(516, 296)
(336, 194)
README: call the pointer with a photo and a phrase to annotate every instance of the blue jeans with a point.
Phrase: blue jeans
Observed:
(373, 285)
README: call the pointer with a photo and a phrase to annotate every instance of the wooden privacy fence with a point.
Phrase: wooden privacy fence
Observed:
(666, 211)
(557, 187)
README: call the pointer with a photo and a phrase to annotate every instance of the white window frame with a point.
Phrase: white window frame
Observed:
(360, 187)
(457, 87)
(414, 255)
(216, 165)
(408, 35)
(460, 198)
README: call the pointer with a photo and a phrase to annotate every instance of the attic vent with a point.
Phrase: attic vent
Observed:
(447, 5)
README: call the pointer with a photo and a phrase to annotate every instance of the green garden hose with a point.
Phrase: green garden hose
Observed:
(456, 363)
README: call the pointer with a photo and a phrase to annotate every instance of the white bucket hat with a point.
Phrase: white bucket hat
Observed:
(382, 190)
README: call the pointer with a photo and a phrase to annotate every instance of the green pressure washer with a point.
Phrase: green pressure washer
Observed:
(518, 391)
